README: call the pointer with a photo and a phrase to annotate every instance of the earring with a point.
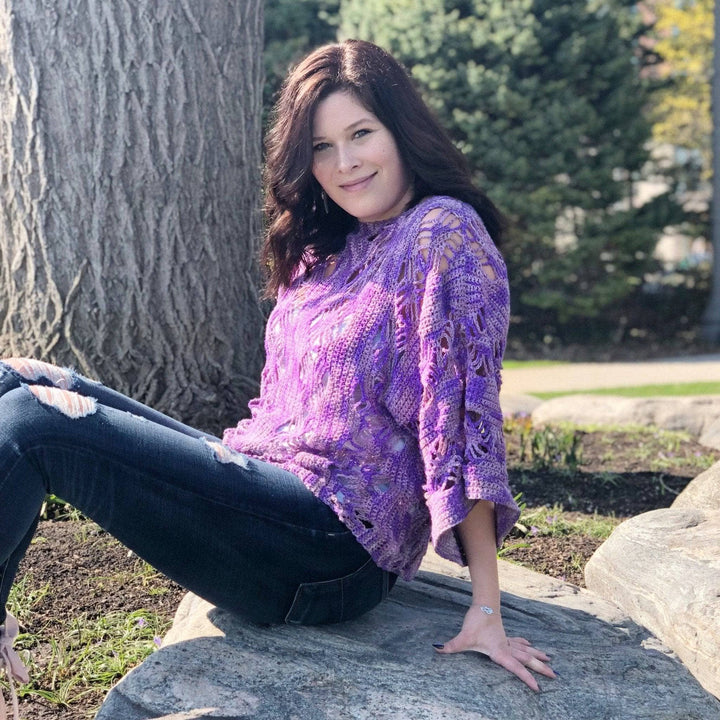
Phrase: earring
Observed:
(324, 198)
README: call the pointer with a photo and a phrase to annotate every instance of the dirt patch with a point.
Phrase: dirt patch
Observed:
(86, 573)
(562, 557)
(90, 573)
(618, 474)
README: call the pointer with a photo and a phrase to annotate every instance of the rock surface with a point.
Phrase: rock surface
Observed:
(694, 415)
(703, 492)
(663, 569)
(382, 666)
(710, 436)
(518, 404)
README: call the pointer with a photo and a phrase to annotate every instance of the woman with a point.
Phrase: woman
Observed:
(378, 425)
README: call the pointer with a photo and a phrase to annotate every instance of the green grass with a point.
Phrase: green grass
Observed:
(90, 656)
(520, 364)
(656, 447)
(25, 595)
(639, 391)
(660, 455)
(557, 522)
(143, 571)
(54, 508)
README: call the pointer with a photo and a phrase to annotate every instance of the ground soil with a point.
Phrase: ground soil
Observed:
(617, 476)
(90, 574)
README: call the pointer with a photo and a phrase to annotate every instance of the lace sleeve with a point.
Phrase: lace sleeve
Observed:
(462, 326)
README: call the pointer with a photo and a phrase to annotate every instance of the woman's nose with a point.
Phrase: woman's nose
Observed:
(347, 159)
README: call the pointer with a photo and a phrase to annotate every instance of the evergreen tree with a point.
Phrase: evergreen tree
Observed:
(546, 101)
(292, 29)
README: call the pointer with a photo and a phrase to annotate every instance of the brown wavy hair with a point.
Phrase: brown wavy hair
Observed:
(299, 230)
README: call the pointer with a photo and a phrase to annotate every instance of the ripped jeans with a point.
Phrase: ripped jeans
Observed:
(245, 535)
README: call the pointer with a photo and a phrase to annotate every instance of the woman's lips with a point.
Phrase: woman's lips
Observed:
(357, 185)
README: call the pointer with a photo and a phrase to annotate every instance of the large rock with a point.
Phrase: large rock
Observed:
(694, 415)
(513, 405)
(663, 569)
(703, 492)
(710, 436)
(382, 666)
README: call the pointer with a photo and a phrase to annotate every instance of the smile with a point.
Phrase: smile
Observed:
(356, 185)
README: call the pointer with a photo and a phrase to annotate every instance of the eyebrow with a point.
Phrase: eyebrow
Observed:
(361, 121)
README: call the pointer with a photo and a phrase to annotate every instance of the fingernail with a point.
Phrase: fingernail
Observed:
(555, 671)
(438, 646)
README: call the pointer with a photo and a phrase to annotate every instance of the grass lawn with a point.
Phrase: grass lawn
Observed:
(520, 364)
(666, 390)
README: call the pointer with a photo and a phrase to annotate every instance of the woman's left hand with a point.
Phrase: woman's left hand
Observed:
(485, 634)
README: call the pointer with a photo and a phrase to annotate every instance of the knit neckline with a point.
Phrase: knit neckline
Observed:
(368, 230)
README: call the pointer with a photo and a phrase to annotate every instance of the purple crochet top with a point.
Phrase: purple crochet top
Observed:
(380, 389)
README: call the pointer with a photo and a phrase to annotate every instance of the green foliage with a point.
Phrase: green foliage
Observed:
(292, 29)
(681, 111)
(681, 108)
(55, 508)
(546, 101)
(549, 446)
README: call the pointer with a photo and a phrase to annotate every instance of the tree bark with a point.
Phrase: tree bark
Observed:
(129, 193)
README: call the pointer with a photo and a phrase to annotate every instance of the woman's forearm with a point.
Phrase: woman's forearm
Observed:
(477, 534)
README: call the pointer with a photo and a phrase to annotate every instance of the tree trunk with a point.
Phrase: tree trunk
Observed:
(129, 188)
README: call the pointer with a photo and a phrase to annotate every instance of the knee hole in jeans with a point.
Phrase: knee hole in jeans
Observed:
(224, 454)
(67, 402)
(32, 369)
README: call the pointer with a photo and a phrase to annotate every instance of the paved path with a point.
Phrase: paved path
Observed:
(585, 376)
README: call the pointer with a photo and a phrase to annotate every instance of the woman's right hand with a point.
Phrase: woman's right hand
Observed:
(485, 634)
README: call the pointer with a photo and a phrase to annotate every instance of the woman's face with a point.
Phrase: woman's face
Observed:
(356, 160)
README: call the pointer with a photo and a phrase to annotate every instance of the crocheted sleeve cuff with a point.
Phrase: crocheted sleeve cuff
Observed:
(449, 507)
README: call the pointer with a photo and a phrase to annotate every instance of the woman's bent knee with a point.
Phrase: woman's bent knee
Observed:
(33, 370)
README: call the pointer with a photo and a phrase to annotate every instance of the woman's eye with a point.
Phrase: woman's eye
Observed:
(319, 147)
(362, 133)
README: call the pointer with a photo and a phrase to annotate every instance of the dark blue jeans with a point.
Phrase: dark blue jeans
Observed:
(245, 535)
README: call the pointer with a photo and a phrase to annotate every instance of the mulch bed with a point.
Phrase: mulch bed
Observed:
(613, 479)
